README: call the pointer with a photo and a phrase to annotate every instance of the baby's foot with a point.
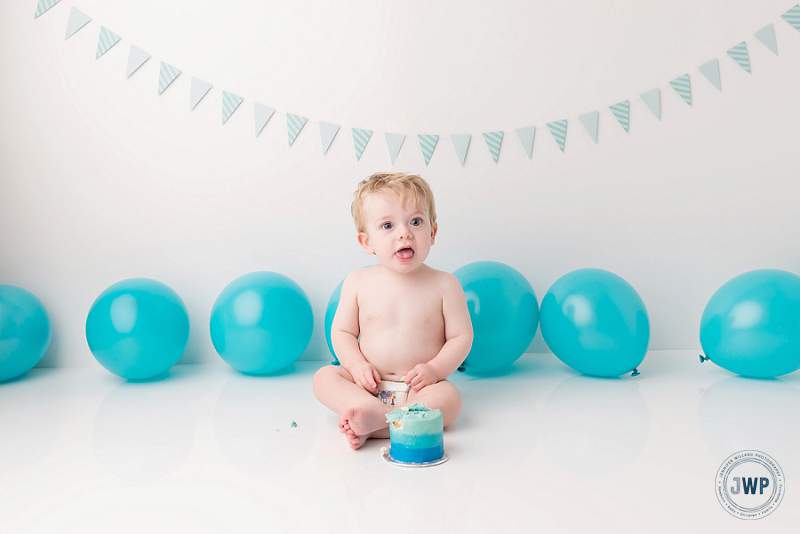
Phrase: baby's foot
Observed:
(357, 424)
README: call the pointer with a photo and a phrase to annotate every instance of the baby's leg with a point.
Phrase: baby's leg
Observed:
(362, 415)
(442, 396)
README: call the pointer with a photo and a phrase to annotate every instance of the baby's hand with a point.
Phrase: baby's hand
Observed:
(423, 374)
(366, 376)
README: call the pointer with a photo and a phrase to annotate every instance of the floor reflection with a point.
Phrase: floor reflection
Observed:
(594, 426)
(253, 424)
(738, 413)
(144, 430)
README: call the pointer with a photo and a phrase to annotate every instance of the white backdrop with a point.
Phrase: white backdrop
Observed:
(102, 179)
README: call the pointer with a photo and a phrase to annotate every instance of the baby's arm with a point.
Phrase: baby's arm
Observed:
(344, 337)
(458, 338)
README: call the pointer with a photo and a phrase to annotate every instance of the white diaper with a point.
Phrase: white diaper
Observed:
(393, 392)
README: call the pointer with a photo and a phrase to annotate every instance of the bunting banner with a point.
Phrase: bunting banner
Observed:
(493, 142)
(262, 114)
(461, 144)
(198, 91)
(360, 140)
(394, 142)
(77, 20)
(327, 132)
(525, 136)
(621, 110)
(106, 40)
(136, 58)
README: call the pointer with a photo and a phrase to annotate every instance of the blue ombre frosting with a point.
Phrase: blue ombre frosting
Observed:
(415, 433)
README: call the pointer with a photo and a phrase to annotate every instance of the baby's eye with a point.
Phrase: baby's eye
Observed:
(386, 226)
(416, 222)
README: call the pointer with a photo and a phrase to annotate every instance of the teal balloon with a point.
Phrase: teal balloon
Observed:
(24, 331)
(751, 325)
(261, 322)
(330, 311)
(595, 322)
(504, 313)
(137, 328)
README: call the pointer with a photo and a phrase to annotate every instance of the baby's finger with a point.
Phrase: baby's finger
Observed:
(410, 376)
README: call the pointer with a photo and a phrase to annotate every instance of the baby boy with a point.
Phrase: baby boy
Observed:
(401, 327)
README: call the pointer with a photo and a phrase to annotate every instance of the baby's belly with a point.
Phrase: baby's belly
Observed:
(393, 356)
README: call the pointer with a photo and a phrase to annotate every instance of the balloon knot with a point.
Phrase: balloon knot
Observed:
(703, 358)
(635, 372)
(461, 368)
(335, 362)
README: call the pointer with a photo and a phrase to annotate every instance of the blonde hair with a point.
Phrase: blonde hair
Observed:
(398, 182)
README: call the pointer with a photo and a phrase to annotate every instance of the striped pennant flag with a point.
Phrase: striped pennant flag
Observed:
(589, 121)
(682, 87)
(427, 144)
(394, 141)
(199, 90)
(559, 131)
(166, 76)
(230, 102)
(106, 40)
(493, 142)
(711, 71)
(622, 111)
(262, 114)
(767, 36)
(43, 6)
(653, 100)
(77, 20)
(360, 140)
(294, 123)
(461, 144)
(740, 56)
(136, 59)
(327, 132)
(793, 17)
(525, 136)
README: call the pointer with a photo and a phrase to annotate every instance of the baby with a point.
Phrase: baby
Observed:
(401, 327)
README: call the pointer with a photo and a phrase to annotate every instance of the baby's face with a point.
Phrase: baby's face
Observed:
(400, 236)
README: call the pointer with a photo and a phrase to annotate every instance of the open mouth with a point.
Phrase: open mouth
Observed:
(405, 254)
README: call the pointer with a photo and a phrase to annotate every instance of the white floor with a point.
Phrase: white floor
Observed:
(540, 448)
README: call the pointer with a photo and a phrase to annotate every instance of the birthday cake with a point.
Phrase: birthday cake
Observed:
(415, 434)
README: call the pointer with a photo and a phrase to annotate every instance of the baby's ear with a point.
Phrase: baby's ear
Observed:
(434, 229)
(363, 240)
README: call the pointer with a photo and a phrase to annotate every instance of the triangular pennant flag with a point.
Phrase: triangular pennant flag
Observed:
(166, 76)
(493, 141)
(622, 111)
(653, 100)
(461, 144)
(262, 116)
(394, 141)
(106, 40)
(199, 90)
(230, 102)
(525, 136)
(327, 132)
(136, 59)
(77, 20)
(711, 71)
(589, 121)
(294, 123)
(559, 131)
(360, 140)
(682, 87)
(740, 56)
(767, 36)
(427, 143)
(793, 17)
(43, 6)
